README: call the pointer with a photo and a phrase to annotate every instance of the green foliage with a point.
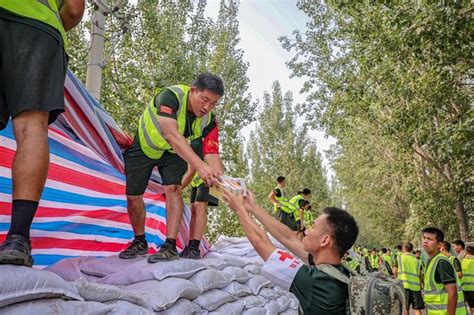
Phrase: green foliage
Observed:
(279, 147)
(393, 83)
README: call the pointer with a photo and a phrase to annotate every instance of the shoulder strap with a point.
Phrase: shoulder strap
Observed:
(333, 272)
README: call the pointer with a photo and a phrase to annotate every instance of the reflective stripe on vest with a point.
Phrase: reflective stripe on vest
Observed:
(294, 202)
(152, 142)
(408, 271)
(197, 181)
(374, 261)
(436, 296)
(467, 265)
(46, 11)
(308, 218)
(388, 259)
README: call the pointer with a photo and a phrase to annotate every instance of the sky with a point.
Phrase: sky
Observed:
(261, 23)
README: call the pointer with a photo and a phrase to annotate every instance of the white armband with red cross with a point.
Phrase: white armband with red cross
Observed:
(281, 268)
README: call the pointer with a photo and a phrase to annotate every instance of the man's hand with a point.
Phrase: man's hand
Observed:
(209, 175)
(249, 201)
(236, 203)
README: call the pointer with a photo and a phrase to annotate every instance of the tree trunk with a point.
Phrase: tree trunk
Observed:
(462, 221)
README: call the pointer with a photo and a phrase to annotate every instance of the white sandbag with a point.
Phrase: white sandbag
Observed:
(212, 299)
(237, 261)
(209, 279)
(57, 307)
(237, 289)
(233, 308)
(127, 308)
(101, 267)
(255, 311)
(283, 302)
(99, 292)
(290, 312)
(18, 284)
(142, 270)
(256, 283)
(160, 295)
(273, 307)
(215, 263)
(252, 301)
(268, 294)
(181, 307)
(253, 269)
(237, 274)
(69, 268)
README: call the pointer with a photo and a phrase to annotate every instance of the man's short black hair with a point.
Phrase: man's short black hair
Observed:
(306, 191)
(343, 228)
(408, 247)
(304, 203)
(384, 250)
(460, 243)
(437, 232)
(399, 246)
(447, 246)
(470, 250)
(211, 82)
(280, 179)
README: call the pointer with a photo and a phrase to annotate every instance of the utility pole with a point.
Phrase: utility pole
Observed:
(96, 53)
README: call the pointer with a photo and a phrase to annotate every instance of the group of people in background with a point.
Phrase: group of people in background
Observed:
(441, 279)
(294, 212)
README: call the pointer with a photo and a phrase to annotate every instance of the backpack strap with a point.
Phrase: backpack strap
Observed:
(333, 272)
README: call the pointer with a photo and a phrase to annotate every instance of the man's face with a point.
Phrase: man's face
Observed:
(202, 102)
(283, 183)
(307, 197)
(317, 236)
(430, 243)
(457, 248)
(417, 254)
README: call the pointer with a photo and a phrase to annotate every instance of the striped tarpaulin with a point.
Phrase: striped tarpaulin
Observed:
(83, 209)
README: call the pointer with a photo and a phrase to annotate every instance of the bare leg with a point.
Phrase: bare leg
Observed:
(193, 221)
(174, 210)
(30, 165)
(136, 213)
(200, 221)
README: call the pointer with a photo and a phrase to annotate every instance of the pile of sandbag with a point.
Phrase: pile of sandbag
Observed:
(223, 282)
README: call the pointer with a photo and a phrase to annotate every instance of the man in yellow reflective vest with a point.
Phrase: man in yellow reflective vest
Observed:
(374, 260)
(387, 261)
(409, 271)
(443, 294)
(282, 209)
(446, 251)
(468, 277)
(297, 203)
(175, 116)
(33, 65)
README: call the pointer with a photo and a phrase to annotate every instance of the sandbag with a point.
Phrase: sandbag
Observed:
(237, 290)
(18, 284)
(237, 274)
(69, 269)
(183, 306)
(255, 311)
(127, 308)
(233, 308)
(253, 269)
(210, 279)
(215, 263)
(252, 301)
(101, 267)
(57, 307)
(256, 283)
(268, 294)
(160, 295)
(212, 299)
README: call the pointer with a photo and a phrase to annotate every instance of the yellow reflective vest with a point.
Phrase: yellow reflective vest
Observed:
(436, 296)
(467, 265)
(152, 142)
(294, 202)
(409, 269)
(46, 11)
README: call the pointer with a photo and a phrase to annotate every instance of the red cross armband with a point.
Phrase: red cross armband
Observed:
(281, 268)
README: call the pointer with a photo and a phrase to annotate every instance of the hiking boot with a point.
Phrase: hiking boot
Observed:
(136, 248)
(167, 252)
(190, 253)
(16, 250)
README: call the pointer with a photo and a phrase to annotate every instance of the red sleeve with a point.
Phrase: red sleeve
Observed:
(210, 143)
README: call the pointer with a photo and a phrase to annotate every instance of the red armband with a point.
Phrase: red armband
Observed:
(210, 144)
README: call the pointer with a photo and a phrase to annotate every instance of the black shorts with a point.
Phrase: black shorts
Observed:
(201, 194)
(415, 299)
(288, 220)
(33, 67)
(469, 298)
(138, 168)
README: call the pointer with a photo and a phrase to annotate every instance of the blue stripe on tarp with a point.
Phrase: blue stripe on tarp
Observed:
(67, 153)
(45, 259)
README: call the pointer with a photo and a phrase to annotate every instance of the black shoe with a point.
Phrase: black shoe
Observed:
(137, 247)
(190, 253)
(16, 250)
(167, 252)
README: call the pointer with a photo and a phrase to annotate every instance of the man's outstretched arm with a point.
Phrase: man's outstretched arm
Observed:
(257, 237)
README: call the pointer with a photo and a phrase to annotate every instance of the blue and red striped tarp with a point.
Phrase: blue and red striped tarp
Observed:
(83, 209)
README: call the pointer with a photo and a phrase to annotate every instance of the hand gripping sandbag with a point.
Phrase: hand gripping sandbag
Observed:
(372, 294)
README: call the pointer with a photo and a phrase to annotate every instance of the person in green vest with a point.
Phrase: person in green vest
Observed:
(308, 218)
(282, 210)
(208, 150)
(387, 261)
(352, 262)
(374, 260)
(175, 117)
(459, 248)
(446, 251)
(33, 65)
(297, 203)
(300, 224)
(408, 270)
(443, 294)
(467, 265)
